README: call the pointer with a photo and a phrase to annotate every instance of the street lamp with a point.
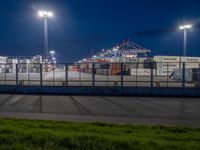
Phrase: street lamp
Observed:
(54, 60)
(45, 15)
(52, 53)
(185, 28)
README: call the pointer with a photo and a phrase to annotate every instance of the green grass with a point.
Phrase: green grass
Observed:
(18, 134)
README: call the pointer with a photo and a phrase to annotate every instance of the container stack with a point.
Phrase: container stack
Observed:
(2, 64)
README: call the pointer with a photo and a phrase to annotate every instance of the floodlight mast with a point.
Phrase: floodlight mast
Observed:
(185, 28)
(45, 15)
(52, 52)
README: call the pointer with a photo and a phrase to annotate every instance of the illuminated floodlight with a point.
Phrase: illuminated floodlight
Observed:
(45, 14)
(187, 26)
(116, 48)
(52, 52)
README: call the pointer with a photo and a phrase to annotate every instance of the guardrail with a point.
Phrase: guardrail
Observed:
(149, 74)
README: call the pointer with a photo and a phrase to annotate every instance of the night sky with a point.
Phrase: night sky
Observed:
(82, 26)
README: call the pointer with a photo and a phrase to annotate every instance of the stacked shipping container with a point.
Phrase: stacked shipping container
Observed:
(167, 64)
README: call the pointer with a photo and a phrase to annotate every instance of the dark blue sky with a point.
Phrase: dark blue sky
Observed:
(80, 26)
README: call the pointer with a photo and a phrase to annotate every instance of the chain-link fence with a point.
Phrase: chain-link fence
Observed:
(162, 74)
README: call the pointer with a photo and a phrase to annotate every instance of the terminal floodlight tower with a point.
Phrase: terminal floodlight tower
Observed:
(52, 52)
(45, 15)
(185, 28)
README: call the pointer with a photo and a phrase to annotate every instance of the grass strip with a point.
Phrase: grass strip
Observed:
(21, 134)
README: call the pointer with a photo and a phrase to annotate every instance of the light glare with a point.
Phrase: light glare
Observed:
(50, 14)
(52, 52)
(45, 14)
(187, 26)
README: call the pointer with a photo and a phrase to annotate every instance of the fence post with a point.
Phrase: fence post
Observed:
(183, 75)
(151, 74)
(66, 74)
(5, 79)
(107, 73)
(28, 72)
(41, 82)
(122, 76)
(17, 75)
(79, 67)
(167, 74)
(53, 74)
(93, 74)
(137, 74)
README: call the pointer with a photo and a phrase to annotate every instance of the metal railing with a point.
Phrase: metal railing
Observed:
(162, 74)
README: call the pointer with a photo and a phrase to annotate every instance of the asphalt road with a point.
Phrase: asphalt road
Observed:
(122, 110)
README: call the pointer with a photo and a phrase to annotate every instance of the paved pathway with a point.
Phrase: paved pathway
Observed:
(134, 110)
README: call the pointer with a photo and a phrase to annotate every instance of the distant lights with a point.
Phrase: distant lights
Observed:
(52, 52)
(184, 27)
(116, 48)
(45, 14)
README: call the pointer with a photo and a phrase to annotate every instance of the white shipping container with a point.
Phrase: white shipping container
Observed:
(90, 65)
(166, 58)
(37, 59)
(12, 61)
(175, 59)
(168, 65)
(142, 72)
(114, 60)
(3, 70)
(25, 61)
(164, 72)
(3, 59)
(192, 65)
(190, 59)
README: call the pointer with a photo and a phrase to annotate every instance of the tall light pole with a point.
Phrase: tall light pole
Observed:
(52, 53)
(185, 28)
(54, 60)
(45, 15)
